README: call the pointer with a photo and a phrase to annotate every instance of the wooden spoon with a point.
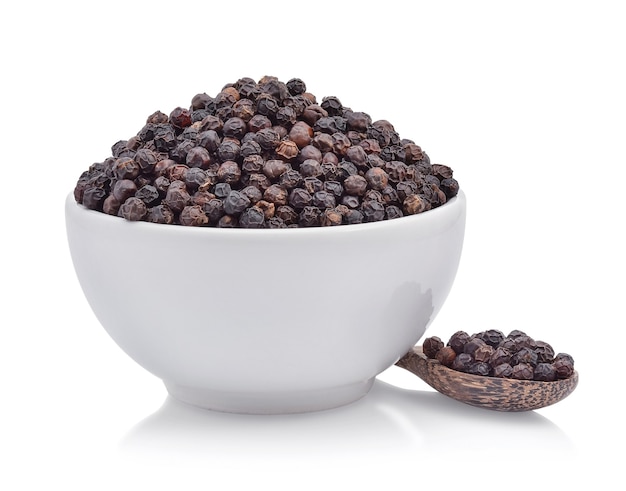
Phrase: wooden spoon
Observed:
(500, 394)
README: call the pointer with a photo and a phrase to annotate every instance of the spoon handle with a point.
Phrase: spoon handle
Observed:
(415, 361)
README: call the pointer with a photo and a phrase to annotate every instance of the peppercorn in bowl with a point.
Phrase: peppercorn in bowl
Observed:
(252, 271)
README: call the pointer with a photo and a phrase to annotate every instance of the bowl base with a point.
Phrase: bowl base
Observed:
(270, 402)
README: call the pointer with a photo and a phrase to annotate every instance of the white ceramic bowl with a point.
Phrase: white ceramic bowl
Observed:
(267, 321)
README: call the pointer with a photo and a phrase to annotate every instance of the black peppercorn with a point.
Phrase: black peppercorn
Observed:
(312, 113)
(180, 150)
(177, 197)
(276, 194)
(508, 344)
(256, 179)
(311, 168)
(373, 211)
(473, 344)
(516, 356)
(287, 214)
(450, 187)
(198, 157)
(483, 353)
(296, 86)
(332, 105)
(524, 342)
(164, 137)
(275, 222)
(545, 372)
(259, 122)
(160, 214)
(462, 362)
(299, 198)
(523, 371)
(133, 209)
(227, 221)
(290, 179)
(392, 212)
(479, 368)
(286, 116)
(357, 155)
(267, 138)
(525, 355)
(125, 168)
(458, 341)
(124, 189)
(111, 205)
(268, 209)
(93, 198)
(157, 117)
(545, 352)
(446, 356)
(334, 187)
(355, 185)
(209, 140)
(146, 159)
(406, 188)
(377, 178)
(353, 216)
(177, 172)
(564, 365)
(214, 210)
(323, 199)
(492, 337)
(273, 168)
(235, 203)
(414, 204)
(331, 217)
(516, 333)
(358, 121)
(309, 216)
(180, 117)
(504, 370)
(194, 178)
(252, 217)
(287, 150)
(229, 172)
(229, 150)
(193, 215)
(201, 101)
(301, 134)
(499, 356)
(266, 104)
(234, 127)
(431, 346)
(251, 134)
(253, 193)
(201, 197)
(148, 194)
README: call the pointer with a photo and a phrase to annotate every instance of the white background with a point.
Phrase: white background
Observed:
(524, 100)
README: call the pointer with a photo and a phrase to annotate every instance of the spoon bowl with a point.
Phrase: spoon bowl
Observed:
(500, 394)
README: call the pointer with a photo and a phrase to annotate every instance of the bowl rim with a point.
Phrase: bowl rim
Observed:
(458, 201)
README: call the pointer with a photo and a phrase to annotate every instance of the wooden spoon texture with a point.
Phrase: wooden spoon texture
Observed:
(499, 394)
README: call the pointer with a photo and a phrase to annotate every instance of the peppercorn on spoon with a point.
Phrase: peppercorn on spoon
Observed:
(500, 394)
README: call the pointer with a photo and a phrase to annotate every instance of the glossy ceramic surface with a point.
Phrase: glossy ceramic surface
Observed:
(267, 321)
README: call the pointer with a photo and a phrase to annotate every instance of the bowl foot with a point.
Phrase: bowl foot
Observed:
(270, 402)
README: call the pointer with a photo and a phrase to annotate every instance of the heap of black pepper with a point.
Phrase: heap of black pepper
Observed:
(491, 353)
(265, 154)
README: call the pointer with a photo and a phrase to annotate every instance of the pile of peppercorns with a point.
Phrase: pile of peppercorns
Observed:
(491, 353)
(265, 154)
